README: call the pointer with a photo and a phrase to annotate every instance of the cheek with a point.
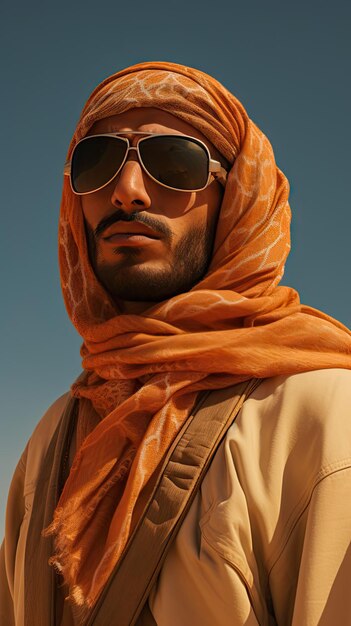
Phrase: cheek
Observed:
(93, 208)
(87, 210)
(208, 205)
(201, 217)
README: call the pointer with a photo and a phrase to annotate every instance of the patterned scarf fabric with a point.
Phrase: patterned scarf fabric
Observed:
(142, 373)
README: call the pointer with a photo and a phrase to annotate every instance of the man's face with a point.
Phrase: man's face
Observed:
(148, 243)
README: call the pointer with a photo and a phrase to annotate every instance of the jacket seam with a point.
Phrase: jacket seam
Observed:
(327, 470)
(240, 566)
(340, 467)
(239, 570)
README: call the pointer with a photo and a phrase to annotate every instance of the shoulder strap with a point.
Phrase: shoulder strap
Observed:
(184, 468)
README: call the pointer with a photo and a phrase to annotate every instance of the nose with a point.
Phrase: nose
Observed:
(129, 192)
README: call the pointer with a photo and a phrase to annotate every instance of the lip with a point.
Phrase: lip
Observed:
(129, 239)
(129, 231)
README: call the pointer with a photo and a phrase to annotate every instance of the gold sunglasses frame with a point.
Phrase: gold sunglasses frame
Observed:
(215, 168)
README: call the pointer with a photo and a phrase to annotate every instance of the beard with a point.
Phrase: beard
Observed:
(134, 280)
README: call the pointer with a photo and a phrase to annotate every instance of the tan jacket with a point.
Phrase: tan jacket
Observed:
(267, 538)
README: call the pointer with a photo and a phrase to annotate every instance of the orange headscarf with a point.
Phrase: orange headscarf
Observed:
(142, 373)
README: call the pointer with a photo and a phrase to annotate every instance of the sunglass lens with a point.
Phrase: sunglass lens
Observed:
(95, 161)
(177, 162)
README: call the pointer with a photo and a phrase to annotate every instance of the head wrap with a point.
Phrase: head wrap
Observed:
(142, 373)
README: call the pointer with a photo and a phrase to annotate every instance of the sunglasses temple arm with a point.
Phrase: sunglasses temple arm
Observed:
(218, 172)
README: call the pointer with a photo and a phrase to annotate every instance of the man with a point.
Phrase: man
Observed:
(174, 231)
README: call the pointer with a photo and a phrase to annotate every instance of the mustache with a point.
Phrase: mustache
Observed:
(136, 216)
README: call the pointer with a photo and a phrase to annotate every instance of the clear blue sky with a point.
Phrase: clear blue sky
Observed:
(289, 63)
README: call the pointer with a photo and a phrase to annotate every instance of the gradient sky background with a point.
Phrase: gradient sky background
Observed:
(290, 66)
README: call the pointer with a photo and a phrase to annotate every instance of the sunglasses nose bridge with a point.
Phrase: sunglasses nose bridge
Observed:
(128, 149)
(126, 158)
(129, 189)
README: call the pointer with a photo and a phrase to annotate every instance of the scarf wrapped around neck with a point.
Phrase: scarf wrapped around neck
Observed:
(142, 373)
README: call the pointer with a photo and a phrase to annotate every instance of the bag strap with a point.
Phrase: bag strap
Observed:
(185, 466)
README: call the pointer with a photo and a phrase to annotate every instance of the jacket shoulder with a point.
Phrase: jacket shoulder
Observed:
(316, 388)
(306, 414)
(311, 409)
(40, 440)
(49, 421)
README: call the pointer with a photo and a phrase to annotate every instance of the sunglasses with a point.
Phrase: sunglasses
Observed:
(176, 162)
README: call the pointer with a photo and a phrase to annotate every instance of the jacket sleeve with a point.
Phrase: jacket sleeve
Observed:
(14, 516)
(320, 558)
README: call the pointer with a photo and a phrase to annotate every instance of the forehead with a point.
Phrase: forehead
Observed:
(149, 119)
